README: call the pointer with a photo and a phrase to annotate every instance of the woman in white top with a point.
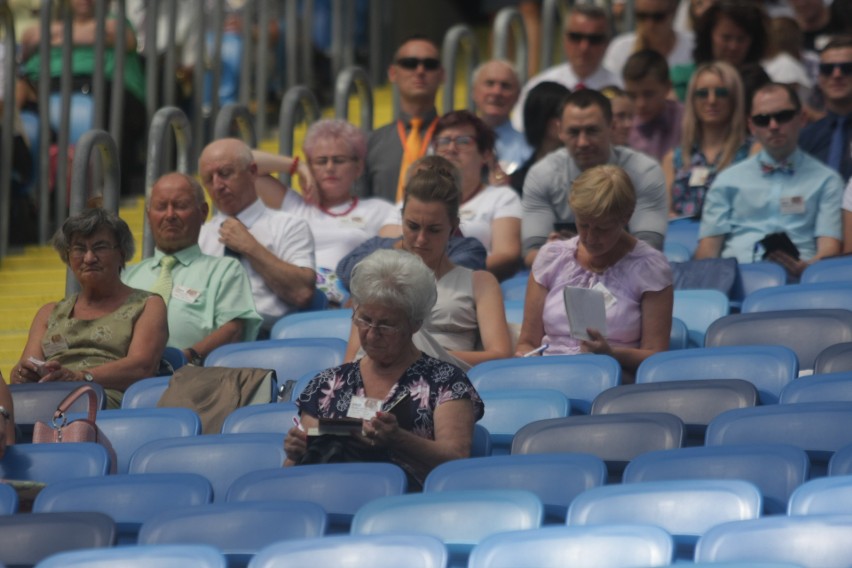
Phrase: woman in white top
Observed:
(335, 151)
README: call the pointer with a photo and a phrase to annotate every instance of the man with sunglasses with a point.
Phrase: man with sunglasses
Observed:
(781, 189)
(586, 37)
(830, 138)
(417, 72)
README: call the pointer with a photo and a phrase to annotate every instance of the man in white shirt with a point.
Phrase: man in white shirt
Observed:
(587, 35)
(275, 248)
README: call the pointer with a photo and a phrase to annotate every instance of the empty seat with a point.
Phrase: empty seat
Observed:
(819, 388)
(776, 469)
(755, 276)
(514, 311)
(290, 358)
(676, 252)
(605, 546)
(515, 288)
(685, 232)
(834, 358)
(327, 323)
(47, 463)
(274, 418)
(799, 297)
(145, 393)
(580, 377)
(806, 331)
(679, 337)
(615, 438)
(26, 539)
(8, 500)
(556, 478)
(160, 555)
(768, 367)
(837, 269)
(695, 402)
(819, 428)
(698, 309)
(841, 462)
(507, 411)
(823, 496)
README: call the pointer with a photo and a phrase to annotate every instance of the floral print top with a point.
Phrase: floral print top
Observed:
(687, 190)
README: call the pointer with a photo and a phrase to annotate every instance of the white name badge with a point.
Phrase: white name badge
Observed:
(185, 294)
(56, 344)
(793, 205)
(363, 407)
(698, 176)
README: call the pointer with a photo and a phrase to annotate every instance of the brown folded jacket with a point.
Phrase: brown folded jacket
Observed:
(214, 392)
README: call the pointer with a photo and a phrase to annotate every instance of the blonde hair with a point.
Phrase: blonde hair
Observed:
(603, 192)
(736, 134)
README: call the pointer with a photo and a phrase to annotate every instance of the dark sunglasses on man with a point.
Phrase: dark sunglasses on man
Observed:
(780, 117)
(653, 16)
(593, 39)
(412, 63)
(827, 69)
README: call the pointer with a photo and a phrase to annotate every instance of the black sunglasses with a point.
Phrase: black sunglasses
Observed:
(827, 69)
(593, 39)
(704, 93)
(655, 16)
(781, 117)
(412, 63)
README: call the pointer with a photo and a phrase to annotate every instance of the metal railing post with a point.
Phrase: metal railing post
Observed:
(64, 134)
(152, 62)
(198, 122)
(44, 129)
(235, 115)
(116, 117)
(509, 21)
(458, 37)
(7, 23)
(296, 99)
(248, 20)
(261, 84)
(354, 78)
(551, 30)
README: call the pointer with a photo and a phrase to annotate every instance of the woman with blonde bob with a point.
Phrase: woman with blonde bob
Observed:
(714, 136)
(635, 278)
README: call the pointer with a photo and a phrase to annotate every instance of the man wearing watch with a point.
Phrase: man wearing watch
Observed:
(208, 299)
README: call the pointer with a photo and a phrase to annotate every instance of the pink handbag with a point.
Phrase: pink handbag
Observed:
(81, 430)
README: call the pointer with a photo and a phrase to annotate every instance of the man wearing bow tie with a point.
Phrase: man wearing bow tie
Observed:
(779, 190)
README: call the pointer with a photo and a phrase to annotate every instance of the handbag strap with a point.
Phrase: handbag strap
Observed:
(73, 396)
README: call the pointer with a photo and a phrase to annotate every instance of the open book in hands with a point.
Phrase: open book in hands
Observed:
(586, 309)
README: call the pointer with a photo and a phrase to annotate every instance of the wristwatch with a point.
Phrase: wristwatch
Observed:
(5, 413)
(88, 377)
(195, 358)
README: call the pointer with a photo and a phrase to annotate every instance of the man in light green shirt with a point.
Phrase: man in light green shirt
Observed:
(209, 298)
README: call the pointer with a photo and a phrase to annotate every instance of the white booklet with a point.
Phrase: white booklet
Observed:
(586, 309)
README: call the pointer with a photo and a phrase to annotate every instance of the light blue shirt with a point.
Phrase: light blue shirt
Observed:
(745, 205)
(511, 146)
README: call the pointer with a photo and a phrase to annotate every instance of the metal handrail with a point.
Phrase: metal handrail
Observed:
(166, 121)
(298, 98)
(7, 22)
(458, 37)
(354, 78)
(509, 21)
(550, 21)
(235, 115)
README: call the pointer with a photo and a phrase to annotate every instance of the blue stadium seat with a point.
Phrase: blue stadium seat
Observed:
(27, 539)
(48, 463)
(8, 500)
(823, 496)
(129, 499)
(580, 377)
(328, 323)
(606, 546)
(38, 401)
(769, 367)
(819, 388)
(340, 488)
(145, 393)
(159, 555)
(685, 232)
(837, 269)
(174, 357)
(273, 418)
(507, 411)
(515, 288)
(514, 311)
(841, 462)
(556, 478)
(834, 358)
(676, 252)
(698, 309)
(481, 445)
(776, 469)
(679, 337)
(755, 276)
(822, 295)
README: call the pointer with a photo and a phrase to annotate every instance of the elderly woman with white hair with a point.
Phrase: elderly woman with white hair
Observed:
(434, 404)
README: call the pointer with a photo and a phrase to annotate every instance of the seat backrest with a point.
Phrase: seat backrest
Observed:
(174, 357)
(755, 276)
(676, 252)
(327, 323)
(128, 429)
(38, 401)
(514, 311)
(615, 438)
(822, 496)
(164, 555)
(8, 500)
(834, 358)
(768, 367)
(340, 488)
(507, 411)
(239, 530)
(605, 546)
(556, 478)
(580, 377)
(819, 388)
(290, 358)
(805, 331)
(145, 393)
(686, 509)
(837, 269)
(274, 418)
(827, 295)
(515, 288)
(357, 551)
(679, 337)
(696, 402)
(48, 463)
(221, 458)
(775, 469)
(824, 540)
(698, 309)
(685, 232)
(819, 428)
(26, 539)
(841, 462)
(481, 444)
(129, 499)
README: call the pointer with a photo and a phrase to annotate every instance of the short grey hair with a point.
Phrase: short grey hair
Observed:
(397, 279)
(88, 223)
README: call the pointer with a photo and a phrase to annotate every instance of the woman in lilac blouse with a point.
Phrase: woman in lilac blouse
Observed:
(636, 279)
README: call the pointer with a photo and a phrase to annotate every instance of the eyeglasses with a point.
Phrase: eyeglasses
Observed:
(380, 329)
(593, 39)
(463, 141)
(654, 16)
(827, 69)
(322, 161)
(719, 92)
(781, 117)
(98, 249)
(412, 63)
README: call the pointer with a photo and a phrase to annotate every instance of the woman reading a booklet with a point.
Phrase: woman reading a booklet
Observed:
(411, 409)
(634, 279)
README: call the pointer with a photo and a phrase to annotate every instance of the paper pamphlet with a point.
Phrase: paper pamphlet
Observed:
(586, 309)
